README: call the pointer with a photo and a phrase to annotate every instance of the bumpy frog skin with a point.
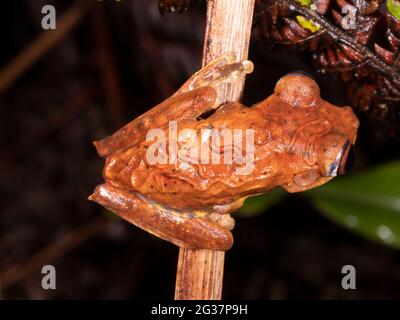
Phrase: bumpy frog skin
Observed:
(300, 142)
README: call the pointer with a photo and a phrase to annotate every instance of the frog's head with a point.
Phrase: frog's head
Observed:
(319, 136)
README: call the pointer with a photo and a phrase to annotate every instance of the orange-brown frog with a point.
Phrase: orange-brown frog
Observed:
(180, 169)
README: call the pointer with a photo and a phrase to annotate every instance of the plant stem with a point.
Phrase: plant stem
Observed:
(200, 272)
(199, 275)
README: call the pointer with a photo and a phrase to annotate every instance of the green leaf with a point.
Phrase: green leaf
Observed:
(261, 203)
(304, 3)
(308, 24)
(368, 203)
(393, 7)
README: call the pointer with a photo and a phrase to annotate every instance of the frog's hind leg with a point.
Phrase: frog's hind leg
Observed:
(185, 106)
(181, 230)
(201, 93)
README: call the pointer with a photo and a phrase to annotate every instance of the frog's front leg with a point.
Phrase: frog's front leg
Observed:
(181, 229)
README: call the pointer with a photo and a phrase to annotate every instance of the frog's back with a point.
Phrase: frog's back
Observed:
(195, 183)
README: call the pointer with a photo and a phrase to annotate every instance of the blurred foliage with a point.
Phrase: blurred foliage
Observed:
(259, 204)
(368, 202)
(308, 24)
(394, 8)
(166, 6)
(305, 3)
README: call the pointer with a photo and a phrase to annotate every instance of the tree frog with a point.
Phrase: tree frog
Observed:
(296, 141)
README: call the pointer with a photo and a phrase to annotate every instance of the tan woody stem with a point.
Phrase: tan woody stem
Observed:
(200, 272)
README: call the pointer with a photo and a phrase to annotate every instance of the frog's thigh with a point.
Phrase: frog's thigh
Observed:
(185, 106)
(184, 232)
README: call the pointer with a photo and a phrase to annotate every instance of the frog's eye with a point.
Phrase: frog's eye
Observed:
(298, 89)
(344, 161)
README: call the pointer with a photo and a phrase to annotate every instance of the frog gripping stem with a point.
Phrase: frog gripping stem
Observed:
(294, 139)
(200, 272)
(202, 239)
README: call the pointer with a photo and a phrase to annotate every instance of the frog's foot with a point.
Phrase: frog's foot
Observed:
(224, 69)
(182, 230)
(224, 220)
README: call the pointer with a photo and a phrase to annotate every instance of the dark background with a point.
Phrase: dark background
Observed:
(121, 59)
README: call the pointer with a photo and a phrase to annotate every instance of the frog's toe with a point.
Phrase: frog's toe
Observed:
(221, 70)
(229, 73)
(223, 220)
(226, 58)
